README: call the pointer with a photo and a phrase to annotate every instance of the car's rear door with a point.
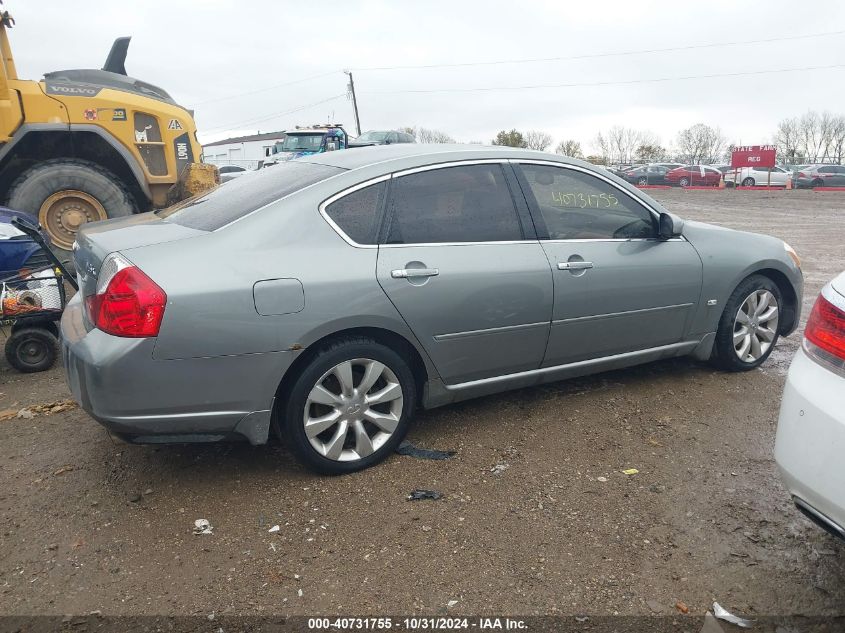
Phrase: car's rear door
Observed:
(617, 288)
(459, 260)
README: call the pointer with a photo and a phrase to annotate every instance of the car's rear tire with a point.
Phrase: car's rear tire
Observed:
(349, 407)
(748, 329)
(684, 182)
(748, 182)
(32, 349)
(63, 194)
(642, 181)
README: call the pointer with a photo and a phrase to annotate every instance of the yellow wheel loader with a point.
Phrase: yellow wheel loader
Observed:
(86, 145)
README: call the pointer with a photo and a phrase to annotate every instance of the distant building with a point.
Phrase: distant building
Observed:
(246, 151)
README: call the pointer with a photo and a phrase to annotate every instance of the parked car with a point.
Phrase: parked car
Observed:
(693, 175)
(758, 176)
(811, 427)
(819, 176)
(386, 137)
(230, 172)
(479, 269)
(646, 175)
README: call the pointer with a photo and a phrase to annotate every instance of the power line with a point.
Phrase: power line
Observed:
(274, 87)
(608, 83)
(610, 54)
(270, 116)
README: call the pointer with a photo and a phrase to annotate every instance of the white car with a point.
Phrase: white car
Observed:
(810, 442)
(759, 176)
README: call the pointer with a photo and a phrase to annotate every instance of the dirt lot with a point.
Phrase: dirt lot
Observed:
(91, 524)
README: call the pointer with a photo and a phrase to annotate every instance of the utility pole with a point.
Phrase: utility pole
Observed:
(351, 88)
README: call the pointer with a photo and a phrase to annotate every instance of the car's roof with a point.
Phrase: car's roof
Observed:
(406, 153)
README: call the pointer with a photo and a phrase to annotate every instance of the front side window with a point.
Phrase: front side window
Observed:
(357, 213)
(577, 205)
(467, 203)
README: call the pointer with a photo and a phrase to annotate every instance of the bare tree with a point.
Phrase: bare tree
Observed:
(618, 144)
(701, 144)
(787, 140)
(425, 135)
(534, 139)
(816, 137)
(569, 147)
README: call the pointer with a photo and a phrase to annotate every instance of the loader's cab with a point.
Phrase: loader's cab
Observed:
(305, 141)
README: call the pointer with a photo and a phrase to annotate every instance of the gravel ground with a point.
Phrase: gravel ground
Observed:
(91, 524)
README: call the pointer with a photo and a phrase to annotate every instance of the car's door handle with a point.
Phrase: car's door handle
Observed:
(409, 273)
(574, 265)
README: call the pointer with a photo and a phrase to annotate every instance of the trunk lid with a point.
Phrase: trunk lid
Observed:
(94, 242)
(838, 284)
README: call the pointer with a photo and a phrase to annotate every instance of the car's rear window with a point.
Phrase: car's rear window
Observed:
(243, 195)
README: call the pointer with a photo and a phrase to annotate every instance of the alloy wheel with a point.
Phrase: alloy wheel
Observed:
(353, 409)
(755, 326)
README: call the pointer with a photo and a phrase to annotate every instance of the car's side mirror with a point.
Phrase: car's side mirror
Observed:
(670, 226)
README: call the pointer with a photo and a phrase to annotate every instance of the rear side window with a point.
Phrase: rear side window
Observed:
(356, 213)
(241, 196)
(577, 205)
(468, 203)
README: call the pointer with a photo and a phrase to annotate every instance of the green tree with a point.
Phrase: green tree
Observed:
(511, 139)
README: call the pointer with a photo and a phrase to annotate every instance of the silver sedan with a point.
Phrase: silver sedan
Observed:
(331, 296)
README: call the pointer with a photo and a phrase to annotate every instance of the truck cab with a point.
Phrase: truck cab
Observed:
(306, 141)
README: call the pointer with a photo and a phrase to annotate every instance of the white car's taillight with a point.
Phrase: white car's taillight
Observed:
(127, 302)
(824, 336)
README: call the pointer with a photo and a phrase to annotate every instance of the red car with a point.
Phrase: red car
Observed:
(694, 175)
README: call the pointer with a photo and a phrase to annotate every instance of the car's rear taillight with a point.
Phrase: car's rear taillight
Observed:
(824, 336)
(632, 173)
(801, 174)
(127, 302)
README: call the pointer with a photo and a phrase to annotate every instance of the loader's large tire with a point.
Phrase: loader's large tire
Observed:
(63, 194)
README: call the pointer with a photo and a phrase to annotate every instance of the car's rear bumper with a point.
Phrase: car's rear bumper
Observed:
(810, 442)
(117, 381)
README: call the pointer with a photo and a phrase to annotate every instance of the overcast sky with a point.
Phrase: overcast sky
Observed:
(209, 53)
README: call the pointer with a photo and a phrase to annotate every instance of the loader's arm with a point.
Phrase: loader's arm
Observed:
(11, 115)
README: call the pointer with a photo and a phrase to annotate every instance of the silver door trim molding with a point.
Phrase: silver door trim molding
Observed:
(453, 163)
(610, 315)
(583, 364)
(493, 330)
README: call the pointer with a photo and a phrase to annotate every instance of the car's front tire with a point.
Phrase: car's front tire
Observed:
(748, 328)
(684, 182)
(748, 182)
(350, 406)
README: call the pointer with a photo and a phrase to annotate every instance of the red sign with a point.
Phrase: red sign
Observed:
(753, 156)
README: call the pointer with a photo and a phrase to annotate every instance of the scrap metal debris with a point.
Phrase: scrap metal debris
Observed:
(406, 448)
(202, 526)
(723, 614)
(417, 495)
(498, 469)
(275, 528)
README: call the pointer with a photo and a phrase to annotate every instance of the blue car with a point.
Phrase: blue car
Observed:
(17, 250)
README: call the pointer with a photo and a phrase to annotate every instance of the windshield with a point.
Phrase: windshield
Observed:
(299, 143)
(372, 137)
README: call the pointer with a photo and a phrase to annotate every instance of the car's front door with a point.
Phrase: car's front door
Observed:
(463, 267)
(617, 287)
